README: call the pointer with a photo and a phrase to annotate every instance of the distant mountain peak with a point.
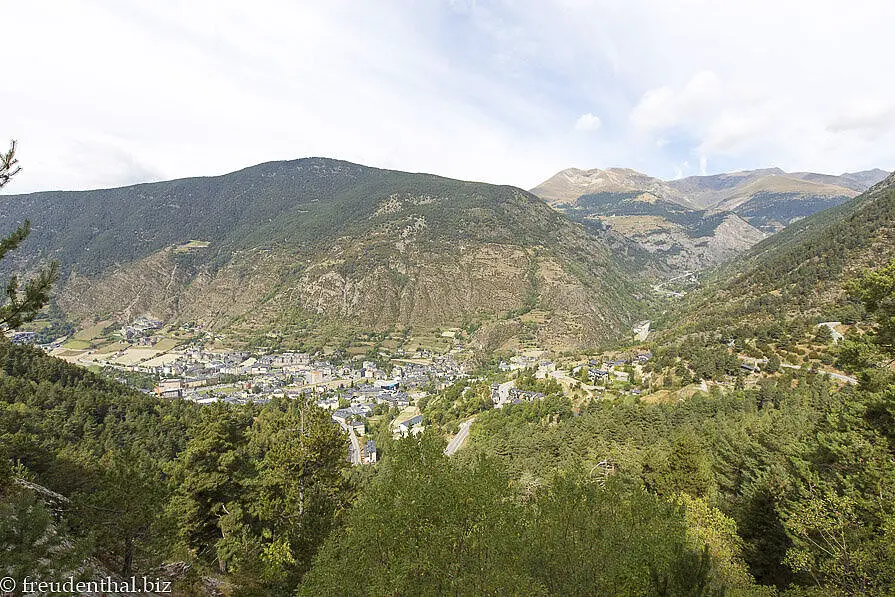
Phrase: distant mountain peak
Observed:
(566, 186)
(703, 191)
(756, 172)
(888, 181)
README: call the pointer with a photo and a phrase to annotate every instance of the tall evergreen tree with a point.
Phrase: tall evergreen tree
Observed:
(23, 302)
(210, 474)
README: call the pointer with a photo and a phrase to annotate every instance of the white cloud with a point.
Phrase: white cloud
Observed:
(872, 115)
(656, 110)
(665, 107)
(705, 108)
(104, 93)
(588, 122)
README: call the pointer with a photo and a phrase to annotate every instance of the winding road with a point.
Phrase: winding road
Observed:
(838, 376)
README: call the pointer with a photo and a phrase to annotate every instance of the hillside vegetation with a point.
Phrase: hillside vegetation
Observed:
(782, 488)
(732, 456)
(290, 246)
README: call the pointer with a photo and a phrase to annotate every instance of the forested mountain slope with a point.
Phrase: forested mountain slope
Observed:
(802, 269)
(284, 243)
(790, 302)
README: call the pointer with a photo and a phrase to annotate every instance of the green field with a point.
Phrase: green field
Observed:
(93, 332)
(77, 345)
(167, 344)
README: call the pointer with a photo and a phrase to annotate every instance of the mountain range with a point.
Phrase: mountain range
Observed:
(698, 221)
(716, 450)
(313, 251)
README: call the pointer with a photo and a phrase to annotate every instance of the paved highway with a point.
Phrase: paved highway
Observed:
(838, 376)
(354, 449)
(457, 442)
(503, 390)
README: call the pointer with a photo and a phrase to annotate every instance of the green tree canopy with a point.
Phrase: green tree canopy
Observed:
(876, 289)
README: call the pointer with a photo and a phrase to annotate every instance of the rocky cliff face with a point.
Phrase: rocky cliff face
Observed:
(677, 247)
(261, 292)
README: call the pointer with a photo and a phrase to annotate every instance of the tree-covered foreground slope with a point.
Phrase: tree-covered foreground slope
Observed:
(286, 245)
(794, 482)
(99, 479)
(428, 525)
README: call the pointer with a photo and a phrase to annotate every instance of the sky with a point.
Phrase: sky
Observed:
(106, 93)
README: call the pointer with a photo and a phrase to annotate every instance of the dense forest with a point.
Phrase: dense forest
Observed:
(138, 481)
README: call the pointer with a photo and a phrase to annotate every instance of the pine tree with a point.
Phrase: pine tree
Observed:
(876, 289)
(23, 302)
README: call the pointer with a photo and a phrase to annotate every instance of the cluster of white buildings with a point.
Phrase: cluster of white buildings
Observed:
(140, 328)
(367, 399)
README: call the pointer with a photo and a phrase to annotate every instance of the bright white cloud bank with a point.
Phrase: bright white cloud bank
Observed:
(104, 92)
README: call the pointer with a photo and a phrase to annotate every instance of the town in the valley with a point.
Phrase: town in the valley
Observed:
(389, 392)
(361, 391)
(395, 391)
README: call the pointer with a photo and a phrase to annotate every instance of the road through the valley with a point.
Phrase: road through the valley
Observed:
(355, 447)
(458, 440)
